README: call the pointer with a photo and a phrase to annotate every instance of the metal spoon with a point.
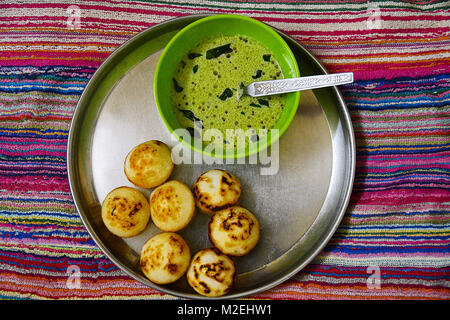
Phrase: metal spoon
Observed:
(271, 87)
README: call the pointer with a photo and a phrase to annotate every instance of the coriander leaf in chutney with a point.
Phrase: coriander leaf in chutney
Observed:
(263, 102)
(266, 57)
(190, 115)
(254, 105)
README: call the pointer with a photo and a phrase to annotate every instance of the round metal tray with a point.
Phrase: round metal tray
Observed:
(299, 208)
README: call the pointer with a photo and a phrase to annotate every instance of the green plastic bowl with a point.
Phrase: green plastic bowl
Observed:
(226, 25)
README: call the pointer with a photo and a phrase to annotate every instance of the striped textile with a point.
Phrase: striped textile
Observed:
(397, 226)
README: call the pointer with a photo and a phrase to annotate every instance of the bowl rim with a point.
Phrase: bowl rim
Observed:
(271, 138)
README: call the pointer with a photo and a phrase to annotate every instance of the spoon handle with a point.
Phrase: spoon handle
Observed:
(270, 87)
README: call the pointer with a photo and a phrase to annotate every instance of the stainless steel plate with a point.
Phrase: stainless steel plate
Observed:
(299, 208)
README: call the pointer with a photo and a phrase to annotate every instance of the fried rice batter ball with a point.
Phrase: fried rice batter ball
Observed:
(149, 164)
(125, 212)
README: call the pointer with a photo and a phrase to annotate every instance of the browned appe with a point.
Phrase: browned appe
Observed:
(149, 164)
(165, 257)
(234, 231)
(211, 273)
(125, 211)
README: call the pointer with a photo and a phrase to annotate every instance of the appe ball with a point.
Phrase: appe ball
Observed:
(172, 206)
(149, 164)
(234, 231)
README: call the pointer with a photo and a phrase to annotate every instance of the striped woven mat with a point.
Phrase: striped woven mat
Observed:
(396, 230)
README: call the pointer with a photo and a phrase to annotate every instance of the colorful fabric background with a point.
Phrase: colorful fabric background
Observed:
(397, 226)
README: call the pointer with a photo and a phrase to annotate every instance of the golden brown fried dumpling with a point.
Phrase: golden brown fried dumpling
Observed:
(172, 206)
(125, 211)
(216, 190)
(149, 164)
(165, 257)
(234, 231)
(211, 273)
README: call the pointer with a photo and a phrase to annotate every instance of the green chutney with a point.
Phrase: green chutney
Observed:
(205, 86)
